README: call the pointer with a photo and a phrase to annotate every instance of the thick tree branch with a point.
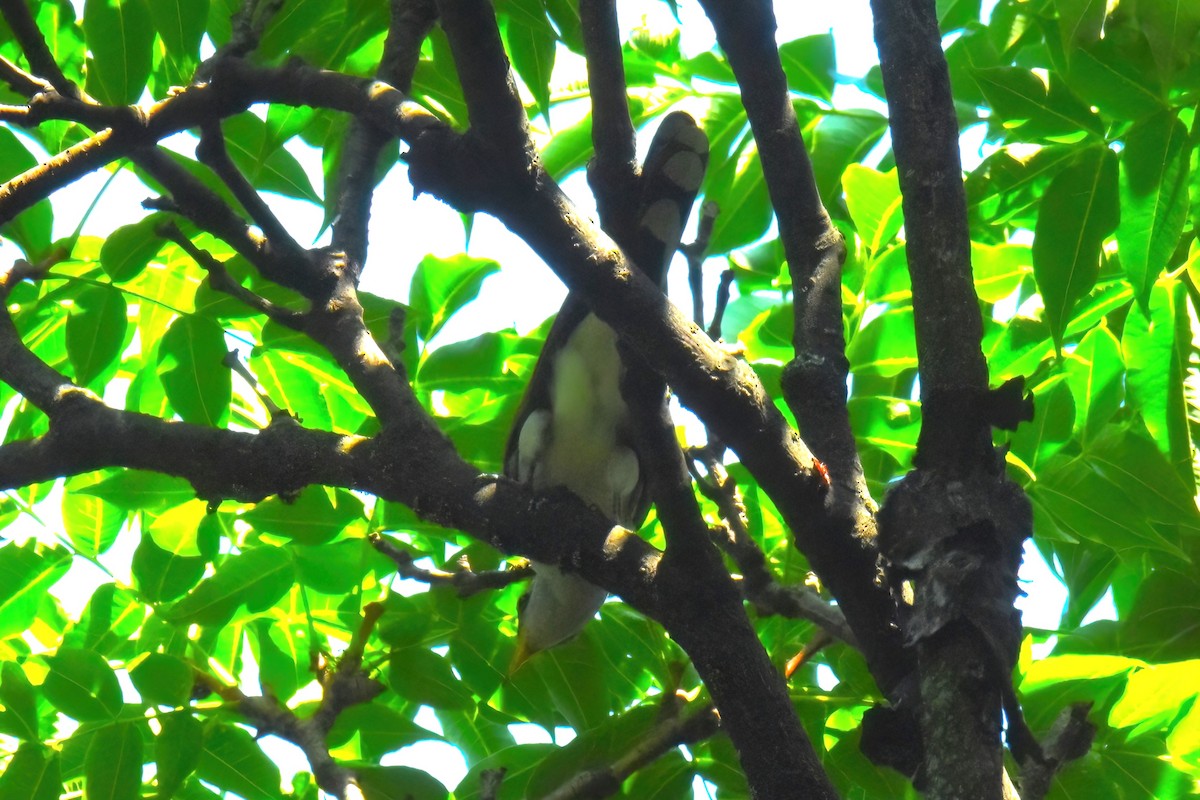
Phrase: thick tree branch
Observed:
(493, 106)
(954, 374)
(843, 551)
(955, 525)
(613, 171)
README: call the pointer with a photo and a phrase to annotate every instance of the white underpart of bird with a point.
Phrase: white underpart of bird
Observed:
(576, 431)
(576, 444)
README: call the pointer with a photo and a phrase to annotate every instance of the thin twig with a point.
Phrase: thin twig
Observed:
(690, 726)
(718, 320)
(464, 581)
(220, 279)
(212, 151)
(695, 252)
(342, 687)
(758, 584)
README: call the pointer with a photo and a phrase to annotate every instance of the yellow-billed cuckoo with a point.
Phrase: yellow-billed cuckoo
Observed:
(573, 427)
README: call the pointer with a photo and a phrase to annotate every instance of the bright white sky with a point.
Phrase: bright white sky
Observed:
(403, 230)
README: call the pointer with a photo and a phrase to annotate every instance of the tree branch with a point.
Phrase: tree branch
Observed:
(411, 21)
(681, 728)
(344, 686)
(955, 525)
(613, 171)
(33, 44)
(842, 552)
(464, 580)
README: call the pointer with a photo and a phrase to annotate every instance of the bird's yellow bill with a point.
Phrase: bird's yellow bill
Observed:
(520, 656)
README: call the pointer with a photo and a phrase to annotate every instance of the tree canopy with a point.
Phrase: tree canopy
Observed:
(902, 371)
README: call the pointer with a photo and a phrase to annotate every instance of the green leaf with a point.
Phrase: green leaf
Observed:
(602, 745)
(886, 346)
(1154, 200)
(233, 762)
(282, 656)
(531, 43)
(31, 228)
(519, 761)
(340, 567)
(1118, 75)
(161, 679)
(1096, 374)
(442, 286)
(1078, 210)
(1053, 421)
(176, 751)
(999, 269)
(109, 623)
(1079, 21)
(32, 774)
(82, 685)
(265, 164)
(308, 384)
(19, 716)
(1088, 505)
(569, 150)
(810, 65)
(92, 524)
(1170, 27)
(128, 249)
(399, 783)
(180, 25)
(114, 764)
(741, 190)
(1164, 621)
(1130, 460)
(1183, 742)
(26, 573)
(1154, 381)
(1154, 696)
(190, 365)
(379, 730)
(438, 87)
(888, 423)
(257, 577)
(133, 489)
(873, 199)
(668, 777)
(424, 677)
(162, 574)
(1022, 102)
(838, 141)
(95, 331)
(311, 518)
(120, 38)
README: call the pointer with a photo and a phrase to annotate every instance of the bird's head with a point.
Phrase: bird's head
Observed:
(557, 606)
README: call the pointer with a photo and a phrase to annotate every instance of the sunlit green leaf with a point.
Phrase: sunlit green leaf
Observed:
(191, 367)
(82, 685)
(114, 764)
(119, 37)
(232, 761)
(1154, 200)
(442, 286)
(1078, 210)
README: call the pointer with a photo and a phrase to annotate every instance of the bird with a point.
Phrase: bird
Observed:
(573, 426)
